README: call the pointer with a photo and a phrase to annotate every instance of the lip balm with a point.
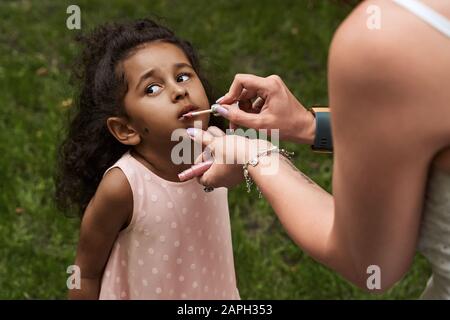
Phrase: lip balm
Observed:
(195, 170)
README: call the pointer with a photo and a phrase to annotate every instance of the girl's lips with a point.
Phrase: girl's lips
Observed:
(187, 109)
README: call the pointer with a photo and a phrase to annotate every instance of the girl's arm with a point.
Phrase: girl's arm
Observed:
(108, 212)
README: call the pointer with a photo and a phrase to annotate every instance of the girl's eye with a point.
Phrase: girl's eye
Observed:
(154, 88)
(183, 77)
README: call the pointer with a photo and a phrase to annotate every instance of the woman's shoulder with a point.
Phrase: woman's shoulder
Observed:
(366, 57)
(371, 37)
(382, 34)
(390, 65)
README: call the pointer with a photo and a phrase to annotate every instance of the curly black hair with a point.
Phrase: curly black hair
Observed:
(89, 148)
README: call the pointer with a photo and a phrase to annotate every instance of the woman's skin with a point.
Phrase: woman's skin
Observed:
(153, 104)
(391, 125)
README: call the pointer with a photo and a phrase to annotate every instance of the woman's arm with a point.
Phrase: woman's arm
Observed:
(108, 212)
(384, 138)
(389, 117)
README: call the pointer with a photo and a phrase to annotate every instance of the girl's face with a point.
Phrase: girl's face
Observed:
(162, 85)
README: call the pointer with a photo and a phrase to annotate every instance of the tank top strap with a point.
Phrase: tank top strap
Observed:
(128, 168)
(136, 180)
(430, 16)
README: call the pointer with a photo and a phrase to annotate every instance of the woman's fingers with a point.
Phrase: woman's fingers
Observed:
(241, 118)
(216, 132)
(199, 136)
(195, 170)
(199, 158)
(246, 106)
(253, 85)
(244, 88)
(258, 104)
(233, 126)
(206, 155)
(246, 95)
(201, 164)
(205, 138)
(203, 180)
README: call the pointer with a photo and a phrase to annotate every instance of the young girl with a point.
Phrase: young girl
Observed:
(144, 234)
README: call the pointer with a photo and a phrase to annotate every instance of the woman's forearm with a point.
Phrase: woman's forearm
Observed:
(304, 208)
(307, 212)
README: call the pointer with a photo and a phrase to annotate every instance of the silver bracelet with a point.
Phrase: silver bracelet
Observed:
(254, 162)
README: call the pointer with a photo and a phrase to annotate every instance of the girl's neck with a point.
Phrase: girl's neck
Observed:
(159, 162)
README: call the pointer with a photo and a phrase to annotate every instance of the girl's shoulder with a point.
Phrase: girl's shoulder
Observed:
(113, 195)
(115, 186)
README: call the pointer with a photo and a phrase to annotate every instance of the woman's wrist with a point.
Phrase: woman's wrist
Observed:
(264, 163)
(305, 128)
(255, 147)
(310, 129)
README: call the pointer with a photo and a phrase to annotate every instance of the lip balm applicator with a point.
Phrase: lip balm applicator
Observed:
(196, 113)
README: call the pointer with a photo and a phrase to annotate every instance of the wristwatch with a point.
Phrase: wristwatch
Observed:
(323, 141)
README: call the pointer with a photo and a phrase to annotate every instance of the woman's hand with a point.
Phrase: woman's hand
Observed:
(266, 103)
(221, 175)
(228, 152)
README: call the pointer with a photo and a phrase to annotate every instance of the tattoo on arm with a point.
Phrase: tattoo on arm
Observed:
(293, 167)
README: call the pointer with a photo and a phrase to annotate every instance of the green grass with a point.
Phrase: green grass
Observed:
(289, 38)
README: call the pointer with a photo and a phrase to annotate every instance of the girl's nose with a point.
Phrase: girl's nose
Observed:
(179, 92)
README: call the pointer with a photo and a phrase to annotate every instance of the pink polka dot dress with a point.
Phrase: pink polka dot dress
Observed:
(177, 245)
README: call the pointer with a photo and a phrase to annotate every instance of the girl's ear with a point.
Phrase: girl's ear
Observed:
(123, 131)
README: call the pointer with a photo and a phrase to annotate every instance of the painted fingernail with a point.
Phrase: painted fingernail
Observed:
(185, 175)
(191, 131)
(218, 100)
(201, 167)
(195, 170)
(222, 111)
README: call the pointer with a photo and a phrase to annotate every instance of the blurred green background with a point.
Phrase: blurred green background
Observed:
(289, 38)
